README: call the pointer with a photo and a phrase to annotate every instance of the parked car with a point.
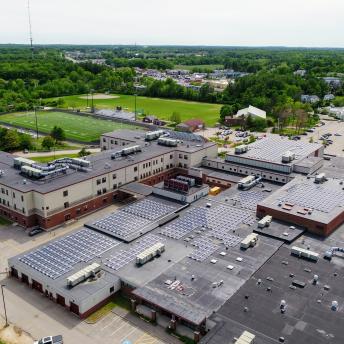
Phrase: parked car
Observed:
(50, 340)
(35, 231)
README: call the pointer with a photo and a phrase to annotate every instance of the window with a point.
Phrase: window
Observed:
(114, 186)
(185, 157)
(162, 160)
(180, 156)
(98, 181)
(104, 139)
(14, 195)
(114, 176)
(123, 143)
(112, 289)
(111, 141)
(23, 210)
(22, 198)
(116, 142)
(171, 156)
(65, 193)
(104, 190)
(99, 192)
(47, 207)
(66, 204)
(103, 179)
(135, 169)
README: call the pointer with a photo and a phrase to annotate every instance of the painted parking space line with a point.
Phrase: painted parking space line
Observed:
(112, 322)
(146, 339)
(128, 335)
(124, 324)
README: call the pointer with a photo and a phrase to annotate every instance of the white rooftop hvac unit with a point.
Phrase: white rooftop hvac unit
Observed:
(320, 178)
(241, 149)
(288, 156)
(150, 253)
(83, 274)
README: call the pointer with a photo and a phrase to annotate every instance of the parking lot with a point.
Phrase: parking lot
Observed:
(38, 316)
(333, 127)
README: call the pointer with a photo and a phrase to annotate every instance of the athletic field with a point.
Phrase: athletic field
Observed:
(80, 128)
(162, 108)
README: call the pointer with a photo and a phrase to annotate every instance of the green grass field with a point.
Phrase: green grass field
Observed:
(84, 129)
(45, 159)
(162, 108)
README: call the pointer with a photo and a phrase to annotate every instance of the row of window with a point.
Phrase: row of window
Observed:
(7, 204)
(246, 172)
(5, 192)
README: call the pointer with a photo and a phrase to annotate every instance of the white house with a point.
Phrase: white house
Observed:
(251, 110)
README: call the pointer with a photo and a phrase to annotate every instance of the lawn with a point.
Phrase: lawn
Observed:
(162, 108)
(80, 128)
(45, 159)
(4, 222)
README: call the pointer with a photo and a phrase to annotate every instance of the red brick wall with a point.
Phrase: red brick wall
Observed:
(21, 219)
(313, 226)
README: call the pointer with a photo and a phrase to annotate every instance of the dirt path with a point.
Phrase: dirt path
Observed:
(14, 335)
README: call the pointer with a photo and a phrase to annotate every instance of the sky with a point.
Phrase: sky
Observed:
(307, 23)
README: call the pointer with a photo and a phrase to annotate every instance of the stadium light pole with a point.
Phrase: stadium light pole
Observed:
(36, 122)
(92, 107)
(135, 105)
(3, 300)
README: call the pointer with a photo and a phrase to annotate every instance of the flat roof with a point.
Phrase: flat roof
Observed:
(309, 161)
(101, 163)
(325, 199)
(188, 255)
(271, 149)
(308, 317)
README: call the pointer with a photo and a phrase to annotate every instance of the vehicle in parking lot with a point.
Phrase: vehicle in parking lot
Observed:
(337, 134)
(50, 340)
(35, 231)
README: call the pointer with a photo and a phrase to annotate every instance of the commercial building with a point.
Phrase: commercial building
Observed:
(251, 111)
(313, 203)
(47, 195)
(273, 158)
(195, 270)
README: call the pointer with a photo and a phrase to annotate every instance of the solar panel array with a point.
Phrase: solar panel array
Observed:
(123, 257)
(220, 220)
(248, 199)
(192, 220)
(59, 257)
(205, 248)
(133, 218)
(121, 224)
(179, 135)
(149, 209)
(310, 195)
(272, 148)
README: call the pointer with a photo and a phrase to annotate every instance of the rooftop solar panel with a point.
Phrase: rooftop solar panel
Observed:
(60, 256)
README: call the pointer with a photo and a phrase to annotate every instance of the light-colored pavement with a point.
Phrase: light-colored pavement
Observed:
(38, 316)
(330, 127)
